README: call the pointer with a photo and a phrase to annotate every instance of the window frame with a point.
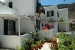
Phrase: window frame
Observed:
(50, 13)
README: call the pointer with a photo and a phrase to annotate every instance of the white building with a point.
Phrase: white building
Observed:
(52, 12)
(14, 17)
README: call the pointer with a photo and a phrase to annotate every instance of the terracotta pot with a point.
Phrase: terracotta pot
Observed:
(36, 47)
(39, 46)
(32, 48)
(54, 45)
(54, 41)
(50, 41)
(42, 43)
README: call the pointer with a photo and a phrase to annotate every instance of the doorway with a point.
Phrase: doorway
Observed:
(9, 27)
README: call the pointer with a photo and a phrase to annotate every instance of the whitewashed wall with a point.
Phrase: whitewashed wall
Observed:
(63, 26)
(47, 34)
(54, 8)
(6, 10)
(63, 13)
(13, 41)
(1, 26)
(27, 25)
(56, 26)
(5, 2)
(24, 7)
(9, 41)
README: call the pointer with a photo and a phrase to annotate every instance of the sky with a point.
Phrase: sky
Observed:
(55, 2)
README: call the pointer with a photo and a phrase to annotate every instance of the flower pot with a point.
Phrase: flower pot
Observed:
(54, 45)
(39, 46)
(36, 47)
(32, 48)
(54, 41)
(42, 42)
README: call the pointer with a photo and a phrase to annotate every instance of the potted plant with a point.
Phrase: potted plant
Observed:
(27, 43)
(33, 46)
(54, 39)
(42, 41)
(54, 46)
(61, 20)
(20, 48)
(39, 44)
(36, 47)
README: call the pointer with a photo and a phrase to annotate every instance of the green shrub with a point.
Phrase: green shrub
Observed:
(61, 20)
(33, 45)
(20, 48)
(66, 42)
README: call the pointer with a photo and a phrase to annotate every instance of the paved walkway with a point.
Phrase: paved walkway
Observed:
(45, 47)
(5, 49)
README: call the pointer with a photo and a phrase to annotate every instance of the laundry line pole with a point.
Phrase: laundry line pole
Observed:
(19, 25)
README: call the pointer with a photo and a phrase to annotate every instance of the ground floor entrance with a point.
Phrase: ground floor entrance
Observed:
(9, 26)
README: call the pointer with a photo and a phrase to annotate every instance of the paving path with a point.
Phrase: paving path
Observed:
(45, 47)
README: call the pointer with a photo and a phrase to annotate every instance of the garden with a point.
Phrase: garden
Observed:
(61, 41)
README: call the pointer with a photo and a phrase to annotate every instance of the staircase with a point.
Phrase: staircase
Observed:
(6, 10)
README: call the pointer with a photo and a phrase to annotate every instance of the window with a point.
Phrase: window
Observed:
(10, 4)
(50, 13)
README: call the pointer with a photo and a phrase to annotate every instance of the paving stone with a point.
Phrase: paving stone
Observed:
(45, 47)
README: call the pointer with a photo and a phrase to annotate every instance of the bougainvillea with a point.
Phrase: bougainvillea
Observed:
(49, 26)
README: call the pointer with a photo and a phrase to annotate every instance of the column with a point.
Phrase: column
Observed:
(19, 25)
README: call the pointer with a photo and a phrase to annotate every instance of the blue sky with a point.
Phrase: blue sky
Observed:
(55, 2)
